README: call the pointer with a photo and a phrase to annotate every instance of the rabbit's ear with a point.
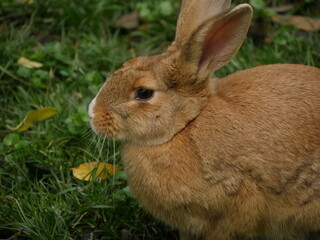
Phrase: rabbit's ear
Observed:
(193, 13)
(217, 40)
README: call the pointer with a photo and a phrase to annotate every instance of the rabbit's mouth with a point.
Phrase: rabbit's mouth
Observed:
(103, 124)
(102, 121)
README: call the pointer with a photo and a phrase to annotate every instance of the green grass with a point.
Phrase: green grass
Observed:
(80, 45)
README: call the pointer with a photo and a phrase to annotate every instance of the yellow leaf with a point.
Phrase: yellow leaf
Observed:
(28, 63)
(35, 116)
(86, 171)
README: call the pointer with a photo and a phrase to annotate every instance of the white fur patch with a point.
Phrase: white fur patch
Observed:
(91, 105)
(91, 115)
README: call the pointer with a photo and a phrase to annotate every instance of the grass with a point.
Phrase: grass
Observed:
(80, 45)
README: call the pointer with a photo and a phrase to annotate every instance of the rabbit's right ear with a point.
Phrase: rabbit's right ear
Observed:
(216, 41)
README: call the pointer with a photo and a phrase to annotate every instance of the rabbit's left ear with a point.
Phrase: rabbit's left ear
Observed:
(217, 40)
(193, 13)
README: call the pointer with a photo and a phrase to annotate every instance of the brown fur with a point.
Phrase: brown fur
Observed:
(218, 159)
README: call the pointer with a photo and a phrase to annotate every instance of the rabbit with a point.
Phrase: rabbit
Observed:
(217, 159)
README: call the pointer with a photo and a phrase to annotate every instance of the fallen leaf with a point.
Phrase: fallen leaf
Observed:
(128, 21)
(35, 116)
(25, 62)
(86, 171)
(282, 8)
(301, 22)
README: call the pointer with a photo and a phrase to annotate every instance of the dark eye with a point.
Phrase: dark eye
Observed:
(143, 94)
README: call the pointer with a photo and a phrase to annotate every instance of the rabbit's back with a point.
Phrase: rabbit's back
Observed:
(263, 126)
(264, 121)
(261, 131)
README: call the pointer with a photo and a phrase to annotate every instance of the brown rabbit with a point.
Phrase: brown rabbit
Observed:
(218, 159)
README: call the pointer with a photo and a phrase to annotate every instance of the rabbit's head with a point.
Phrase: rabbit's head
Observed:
(150, 99)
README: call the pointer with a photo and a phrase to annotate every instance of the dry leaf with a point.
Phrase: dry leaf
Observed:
(128, 21)
(282, 8)
(35, 116)
(300, 22)
(28, 63)
(86, 171)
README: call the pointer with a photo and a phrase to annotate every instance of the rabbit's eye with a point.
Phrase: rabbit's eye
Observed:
(143, 94)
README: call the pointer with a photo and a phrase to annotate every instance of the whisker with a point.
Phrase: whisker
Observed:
(114, 161)
(101, 147)
(84, 136)
(92, 141)
(108, 150)
(97, 145)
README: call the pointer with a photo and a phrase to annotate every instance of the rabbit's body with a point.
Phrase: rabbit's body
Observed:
(258, 174)
(218, 159)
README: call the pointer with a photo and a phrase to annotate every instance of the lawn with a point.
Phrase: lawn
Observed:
(78, 44)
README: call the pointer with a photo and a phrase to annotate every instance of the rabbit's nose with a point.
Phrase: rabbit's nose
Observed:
(91, 106)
